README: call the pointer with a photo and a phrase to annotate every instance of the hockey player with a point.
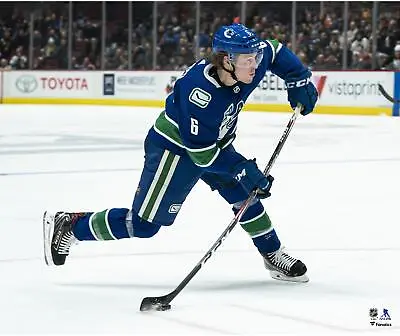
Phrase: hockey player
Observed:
(192, 140)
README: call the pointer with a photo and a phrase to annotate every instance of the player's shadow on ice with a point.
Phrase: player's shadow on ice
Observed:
(237, 286)
(227, 286)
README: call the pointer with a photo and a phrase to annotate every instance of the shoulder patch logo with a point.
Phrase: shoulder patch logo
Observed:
(174, 208)
(200, 97)
(236, 89)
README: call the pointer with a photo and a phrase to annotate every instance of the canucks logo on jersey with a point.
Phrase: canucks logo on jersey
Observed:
(230, 119)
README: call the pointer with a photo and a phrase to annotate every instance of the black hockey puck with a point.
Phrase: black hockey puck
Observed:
(163, 307)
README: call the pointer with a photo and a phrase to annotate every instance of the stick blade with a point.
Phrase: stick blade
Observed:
(160, 303)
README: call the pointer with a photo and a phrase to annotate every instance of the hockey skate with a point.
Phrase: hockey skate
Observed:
(58, 236)
(284, 267)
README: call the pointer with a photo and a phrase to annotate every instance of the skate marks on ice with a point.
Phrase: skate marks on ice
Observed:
(329, 302)
(71, 171)
(194, 252)
(50, 143)
(137, 169)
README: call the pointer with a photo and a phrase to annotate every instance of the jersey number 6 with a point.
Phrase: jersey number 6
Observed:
(194, 126)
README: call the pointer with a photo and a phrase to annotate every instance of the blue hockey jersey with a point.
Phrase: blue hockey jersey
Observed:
(201, 114)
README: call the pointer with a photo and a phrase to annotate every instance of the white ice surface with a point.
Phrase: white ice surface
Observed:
(335, 204)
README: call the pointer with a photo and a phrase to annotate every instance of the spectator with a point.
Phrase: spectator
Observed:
(19, 61)
(4, 64)
(37, 39)
(50, 48)
(319, 35)
(5, 44)
(20, 38)
(319, 63)
(62, 54)
(360, 44)
(395, 64)
(87, 65)
(331, 63)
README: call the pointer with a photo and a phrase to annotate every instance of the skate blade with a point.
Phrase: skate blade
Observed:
(48, 230)
(279, 276)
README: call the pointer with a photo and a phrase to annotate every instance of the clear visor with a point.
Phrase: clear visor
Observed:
(247, 61)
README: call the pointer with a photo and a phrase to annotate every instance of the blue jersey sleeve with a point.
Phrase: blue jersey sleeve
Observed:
(283, 62)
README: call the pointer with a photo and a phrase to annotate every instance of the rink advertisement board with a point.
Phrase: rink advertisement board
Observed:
(349, 92)
(337, 91)
(139, 85)
(353, 88)
(49, 86)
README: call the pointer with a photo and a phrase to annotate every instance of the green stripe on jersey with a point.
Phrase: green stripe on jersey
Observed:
(275, 44)
(203, 157)
(168, 130)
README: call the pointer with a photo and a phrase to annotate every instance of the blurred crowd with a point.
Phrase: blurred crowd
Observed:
(319, 42)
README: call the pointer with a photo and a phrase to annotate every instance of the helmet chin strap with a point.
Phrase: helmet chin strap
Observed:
(232, 72)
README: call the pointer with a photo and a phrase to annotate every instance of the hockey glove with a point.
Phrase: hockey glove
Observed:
(251, 178)
(301, 90)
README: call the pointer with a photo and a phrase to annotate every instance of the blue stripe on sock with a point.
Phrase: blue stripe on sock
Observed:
(267, 243)
(81, 228)
(116, 220)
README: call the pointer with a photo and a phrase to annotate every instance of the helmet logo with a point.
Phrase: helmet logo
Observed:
(229, 33)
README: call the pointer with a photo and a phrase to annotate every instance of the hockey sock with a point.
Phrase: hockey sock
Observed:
(112, 224)
(109, 224)
(256, 222)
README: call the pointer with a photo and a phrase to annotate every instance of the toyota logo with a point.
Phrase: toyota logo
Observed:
(26, 84)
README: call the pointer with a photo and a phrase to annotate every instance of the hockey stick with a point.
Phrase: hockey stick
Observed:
(387, 96)
(162, 303)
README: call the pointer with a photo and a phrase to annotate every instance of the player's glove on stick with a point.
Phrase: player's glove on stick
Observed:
(301, 90)
(251, 178)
